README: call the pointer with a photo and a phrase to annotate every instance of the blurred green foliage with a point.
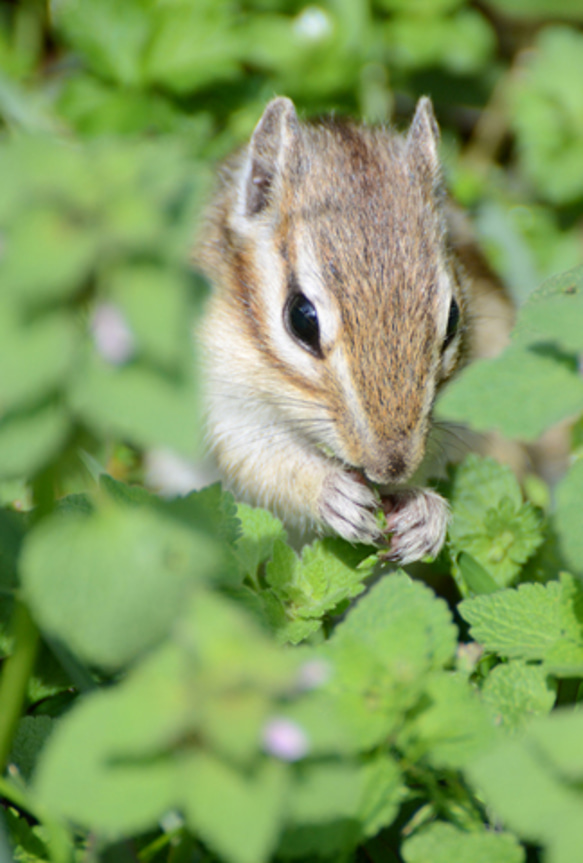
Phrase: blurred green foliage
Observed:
(202, 691)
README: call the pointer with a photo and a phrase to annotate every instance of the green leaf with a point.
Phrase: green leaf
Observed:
(139, 404)
(539, 8)
(444, 843)
(475, 577)
(102, 767)
(192, 46)
(567, 519)
(545, 111)
(110, 584)
(533, 622)
(64, 254)
(491, 523)
(35, 359)
(29, 739)
(260, 532)
(525, 780)
(559, 740)
(380, 656)
(29, 440)
(554, 313)
(403, 624)
(27, 841)
(239, 816)
(453, 729)
(515, 691)
(486, 394)
(154, 301)
(329, 572)
(111, 38)
(333, 806)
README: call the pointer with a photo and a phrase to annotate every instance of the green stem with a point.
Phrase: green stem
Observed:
(15, 674)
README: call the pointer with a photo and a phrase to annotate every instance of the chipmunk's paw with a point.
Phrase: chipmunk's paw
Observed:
(417, 520)
(349, 506)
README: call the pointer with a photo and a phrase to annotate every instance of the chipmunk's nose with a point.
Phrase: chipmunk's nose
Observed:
(393, 467)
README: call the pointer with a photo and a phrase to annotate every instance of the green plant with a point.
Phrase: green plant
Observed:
(178, 683)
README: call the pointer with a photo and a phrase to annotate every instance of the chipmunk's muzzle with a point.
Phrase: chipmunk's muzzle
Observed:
(393, 463)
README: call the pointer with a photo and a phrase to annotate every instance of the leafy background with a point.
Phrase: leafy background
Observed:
(178, 684)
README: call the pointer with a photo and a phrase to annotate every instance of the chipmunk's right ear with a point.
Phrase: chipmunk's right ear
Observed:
(271, 143)
(423, 140)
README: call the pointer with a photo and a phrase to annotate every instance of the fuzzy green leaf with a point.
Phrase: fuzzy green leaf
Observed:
(486, 394)
(453, 729)
(329, 572)
(554, 313)
(567, 520)
(515, 691)
(260, 531)
(238, 815)
(533, 622)
(64, 255)
(111, 583)
(29, 440)
(100, 769)
(444, 843)
(403, 624)
(491, 523)
(333, 806)
(135, 402)
(527, 782)
(35, 359)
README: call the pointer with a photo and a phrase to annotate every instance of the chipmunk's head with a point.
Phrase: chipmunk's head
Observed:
(345, 283)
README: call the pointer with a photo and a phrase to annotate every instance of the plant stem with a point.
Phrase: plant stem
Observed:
(15, 674)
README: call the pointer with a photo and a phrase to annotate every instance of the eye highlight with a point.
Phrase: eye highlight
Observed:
(453, 320)
(301, 320)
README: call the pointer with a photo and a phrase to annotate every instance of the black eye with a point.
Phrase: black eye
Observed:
(452, 323)
(302, 322)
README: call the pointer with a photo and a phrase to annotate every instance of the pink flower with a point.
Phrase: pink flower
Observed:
(113, 338)
(285, 739)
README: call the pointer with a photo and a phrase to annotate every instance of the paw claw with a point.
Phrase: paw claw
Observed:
(349, 508)
(417, 522)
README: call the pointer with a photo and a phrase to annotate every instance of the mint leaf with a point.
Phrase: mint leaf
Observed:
(260, 530)
(29, 440)
(546, 338)
(486, 394)
(403, 625)
(334, 806)
(554, 313)
(532, 782)
(238, 815)
(452, 729)
(329, 572)
(98, 769)
(567, 518)
(491, 523)
(515, 691)
(110, 583)
(533, 622)
(444, 843)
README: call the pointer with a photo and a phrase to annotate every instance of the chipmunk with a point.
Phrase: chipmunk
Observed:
(337, 312)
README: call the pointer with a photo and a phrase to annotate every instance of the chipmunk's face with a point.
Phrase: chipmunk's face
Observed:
(345, 286)
(380, 328)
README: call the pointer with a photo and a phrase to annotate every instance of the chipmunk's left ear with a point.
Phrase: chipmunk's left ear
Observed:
(423, 139)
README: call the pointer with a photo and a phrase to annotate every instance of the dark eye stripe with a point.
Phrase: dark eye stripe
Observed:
(301, 320)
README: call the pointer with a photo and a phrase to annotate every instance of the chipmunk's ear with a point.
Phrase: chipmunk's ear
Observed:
(423, 140)
(271, 143)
